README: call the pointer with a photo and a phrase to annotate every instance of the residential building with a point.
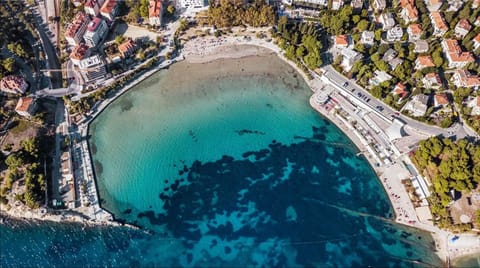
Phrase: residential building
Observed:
(477, 22)
(78, 3)
(463, 78)
(74, 32)
(433, 5)
(421, 46)
(193, 3)
(400, 90)
(455, 5)
(379, 77)
(418, 105)
(475, 105)
(409, 13)
(387, 20)
(379, 5)
(462, 28)
(367, 38)
(357, 5)
(440, 100)
(92, 7)
(79, 53)
(432, 80)
(395, 34)
(475, 4)
(350, 56)
(13, 84)
(109, 10)
(342, 41)
(92, 68)
(395, 62)
(414, 31)
(424, 62)
(439, 25)
(389, 55)
(127, 48)
(155, 10)
(26, 106)
(456, 57)
(97, 30)
(476, 42)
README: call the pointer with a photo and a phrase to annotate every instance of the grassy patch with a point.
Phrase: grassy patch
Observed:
(20, 126)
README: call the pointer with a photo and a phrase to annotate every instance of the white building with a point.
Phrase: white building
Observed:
(193, 3)
(96, 31)
(379, 77)
(350, 56)
(109, 10)
(92, 7)
(379, 5)
(475, 105)
(92, 68)
(367, 38)
(337, 4)
(418, 105)
(462, 28)
(433, 5)
(387, 20)
(395, 34)
(463, 78)
(432, 80)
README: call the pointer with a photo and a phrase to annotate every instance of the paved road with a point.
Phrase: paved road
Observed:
(354, 89)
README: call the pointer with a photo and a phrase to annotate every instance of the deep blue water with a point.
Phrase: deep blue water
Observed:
(241, 172)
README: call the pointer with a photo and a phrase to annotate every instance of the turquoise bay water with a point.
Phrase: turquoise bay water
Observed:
(226, 170)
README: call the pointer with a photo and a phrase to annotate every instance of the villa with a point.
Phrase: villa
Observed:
(379, 77)
(463, 78)
(92, 7)
(418, 105)
(421, 46)
(389, 55)
(439, 25)
(440, 100)
(350, 56)
(395, 34)
(379, 5)
(476, 41)
(337, 4)
(155, 11)
(342, 41)
(13, 84)
(357, 5)
(367, 38)
(433, 5)
(109, 10)
(414, 31)
(387, 20)
(400, 90)
(475, 105)
(432, 80)
(26, 106)
(462, 28)
(424, 62)
(456, 57)
(409, 13)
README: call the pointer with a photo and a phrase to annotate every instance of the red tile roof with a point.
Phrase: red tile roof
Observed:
(341, 40)
(78, 21)
(155, 8)
(441, 98)
(439, 21)
(415, 28)
(79, 52)
(23, 104)
(455, 51)
(464, 24)
(108, 6)
(401, 90)
(426, 61)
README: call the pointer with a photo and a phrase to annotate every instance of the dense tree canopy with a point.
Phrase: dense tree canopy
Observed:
(228, 14)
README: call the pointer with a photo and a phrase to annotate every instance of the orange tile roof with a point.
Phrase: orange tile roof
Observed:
(127, 45)
(341, 40)
(108, 6)
(23, 104)
(415, 28)
(477, 38)
(467, 78)
(401, 90)
(441, 98)
(79, 52)
(439, 21)
(435, 77)
(426, 61)
(403, 3)
(478, 101)
(464, 24)
(155, 8)
(412, 11)
(455, 51)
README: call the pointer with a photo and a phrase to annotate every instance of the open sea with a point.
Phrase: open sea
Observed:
(225, 164)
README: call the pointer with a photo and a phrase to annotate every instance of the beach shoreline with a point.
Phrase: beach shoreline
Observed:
(236, 48)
